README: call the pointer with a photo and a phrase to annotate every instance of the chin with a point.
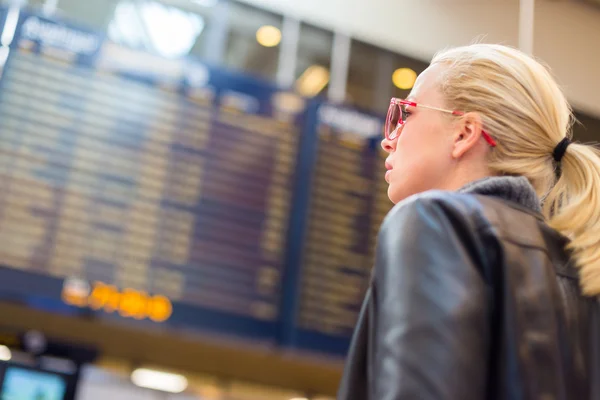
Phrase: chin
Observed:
(397, 192)
(394, 194)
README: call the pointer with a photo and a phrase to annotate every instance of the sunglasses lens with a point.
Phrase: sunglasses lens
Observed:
(394, 115)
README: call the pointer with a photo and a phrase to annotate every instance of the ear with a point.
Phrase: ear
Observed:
(467, 134)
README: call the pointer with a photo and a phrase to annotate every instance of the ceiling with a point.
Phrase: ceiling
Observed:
(565, 31)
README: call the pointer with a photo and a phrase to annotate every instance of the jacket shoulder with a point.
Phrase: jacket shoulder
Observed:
(459, 208)
(492, 215)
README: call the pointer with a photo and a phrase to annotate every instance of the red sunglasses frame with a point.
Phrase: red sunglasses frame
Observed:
(395, 102)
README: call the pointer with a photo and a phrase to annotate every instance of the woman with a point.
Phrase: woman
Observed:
(487, 268)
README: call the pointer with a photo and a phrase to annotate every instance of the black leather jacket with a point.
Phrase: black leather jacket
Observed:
(473, 297)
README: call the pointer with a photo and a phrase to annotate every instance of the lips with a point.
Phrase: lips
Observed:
(389, 168)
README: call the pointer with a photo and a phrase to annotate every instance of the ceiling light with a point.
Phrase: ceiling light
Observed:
(404, 78)
(157, 380)
(268, 36)
(312, 81)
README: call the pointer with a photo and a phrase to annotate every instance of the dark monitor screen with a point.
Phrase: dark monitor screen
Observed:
(27, 384)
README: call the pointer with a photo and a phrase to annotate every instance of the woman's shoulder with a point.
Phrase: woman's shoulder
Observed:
(457, 208)
(489, 223)
(475, 220)
(469, 210)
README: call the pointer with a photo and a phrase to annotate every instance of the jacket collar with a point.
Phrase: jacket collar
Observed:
(516, 189)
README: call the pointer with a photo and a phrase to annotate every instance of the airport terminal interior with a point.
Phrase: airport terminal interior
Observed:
(191, 190)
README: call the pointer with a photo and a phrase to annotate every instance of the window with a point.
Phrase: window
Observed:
(405, 71)
(253, 41)
(313, 60)
(168, 31)
(93, 14)
(155, 26)
(369, 73)
(375, 73)
(210, 43)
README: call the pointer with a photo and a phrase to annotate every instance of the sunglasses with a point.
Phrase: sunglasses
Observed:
(397, 113)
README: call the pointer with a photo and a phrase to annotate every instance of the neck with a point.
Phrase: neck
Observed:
(464, 178)
(470, 167)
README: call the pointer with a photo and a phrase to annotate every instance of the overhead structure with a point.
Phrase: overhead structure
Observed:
(526, 27)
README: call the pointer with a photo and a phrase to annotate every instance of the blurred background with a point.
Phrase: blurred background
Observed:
(190, 190)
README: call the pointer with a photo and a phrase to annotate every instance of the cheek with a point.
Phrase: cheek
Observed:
(416, 147)
(421, 163)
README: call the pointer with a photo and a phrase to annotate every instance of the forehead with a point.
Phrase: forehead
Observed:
(425, 89)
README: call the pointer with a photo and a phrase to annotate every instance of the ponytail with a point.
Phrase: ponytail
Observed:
(572, 207)
(527, 113)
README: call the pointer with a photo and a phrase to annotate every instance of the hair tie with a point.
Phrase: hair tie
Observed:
(560, 149)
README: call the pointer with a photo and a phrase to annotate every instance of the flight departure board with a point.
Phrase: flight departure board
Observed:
(165, 191)
(164, 177)
(347, 204)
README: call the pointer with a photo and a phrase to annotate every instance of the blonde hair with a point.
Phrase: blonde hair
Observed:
(525, 111)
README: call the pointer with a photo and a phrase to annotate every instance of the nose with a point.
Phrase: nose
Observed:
(388, 145)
